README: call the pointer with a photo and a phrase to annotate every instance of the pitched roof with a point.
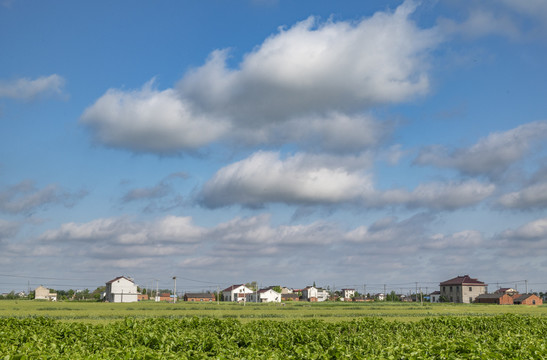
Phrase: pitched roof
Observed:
(232, 287)
(490, 296)
(118, 278)
(435, 293)
(522, 297)
(463, 280)
(199, 295)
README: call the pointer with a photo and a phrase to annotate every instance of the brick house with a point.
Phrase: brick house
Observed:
(462, 289)
(527, 299)
(500, 299)
(201, 297)
(290, 297)
(165, 297)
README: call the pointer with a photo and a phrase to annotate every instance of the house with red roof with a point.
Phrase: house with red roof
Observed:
(462, 289)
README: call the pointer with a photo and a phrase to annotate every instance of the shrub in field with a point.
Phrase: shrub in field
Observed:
(498, 337)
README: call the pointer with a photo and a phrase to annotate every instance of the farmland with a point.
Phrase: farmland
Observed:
(150, 330)
(96, 312)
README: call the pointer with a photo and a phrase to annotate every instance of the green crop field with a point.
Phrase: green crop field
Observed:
(148, 330)
(96, 312)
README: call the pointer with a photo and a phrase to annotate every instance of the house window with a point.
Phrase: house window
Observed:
(451, 289)
(470, 299)
(470, 288)
(533, 302)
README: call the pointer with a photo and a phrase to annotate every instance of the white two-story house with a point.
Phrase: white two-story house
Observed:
(121, 289)
(264, 295)
(236, 293)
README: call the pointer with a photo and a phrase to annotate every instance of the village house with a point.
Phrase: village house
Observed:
(508, 291)
(380, 296)
(290, 297)
(527, 299)
(142, 297)
(309, 293)
(42, 293)
(167, 297)
(322, 295)
(435, 297)
(199, 297)
(347, 294)
(500, 299)
(462, 289)
(121, 290)
(264, 295)
(236, 293)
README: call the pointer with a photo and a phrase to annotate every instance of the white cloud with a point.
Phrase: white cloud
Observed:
(491, 155)
(24, 197)
(304, 179)
(531, 197)
(299, 179)
(150, 120)
(532, 231)
(439, 195)
(314, 77)
(171, 229)
(480, 23)
(533, 8)
(28, 89)
(528, 241)
(315, 67)
(8, 229)
(467, 239)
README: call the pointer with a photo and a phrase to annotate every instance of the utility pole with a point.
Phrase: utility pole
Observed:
(175, 290)
(385, 294)
(218, 295)
(526, 284)
(416, 291)
(157, 289)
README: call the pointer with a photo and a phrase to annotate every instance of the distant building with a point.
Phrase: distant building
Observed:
(508, 291)
(237, 293)
(500, 299)
(264, 295)
(347, 294)
(462, 289)
(322, 295)
(527, 299)
(435, 297)
(290, 297)
(309, 294)
(167, 297)
(199, 297)
(42, 293)
(121, 290)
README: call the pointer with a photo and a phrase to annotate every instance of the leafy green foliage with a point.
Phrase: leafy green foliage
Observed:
(497, 337)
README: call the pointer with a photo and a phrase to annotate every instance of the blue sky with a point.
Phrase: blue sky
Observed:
(341, 143)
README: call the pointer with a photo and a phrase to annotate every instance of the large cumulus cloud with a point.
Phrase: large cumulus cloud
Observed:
(304, 179)
(310, 69)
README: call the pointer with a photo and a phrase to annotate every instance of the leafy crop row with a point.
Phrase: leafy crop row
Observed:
(499, 337)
